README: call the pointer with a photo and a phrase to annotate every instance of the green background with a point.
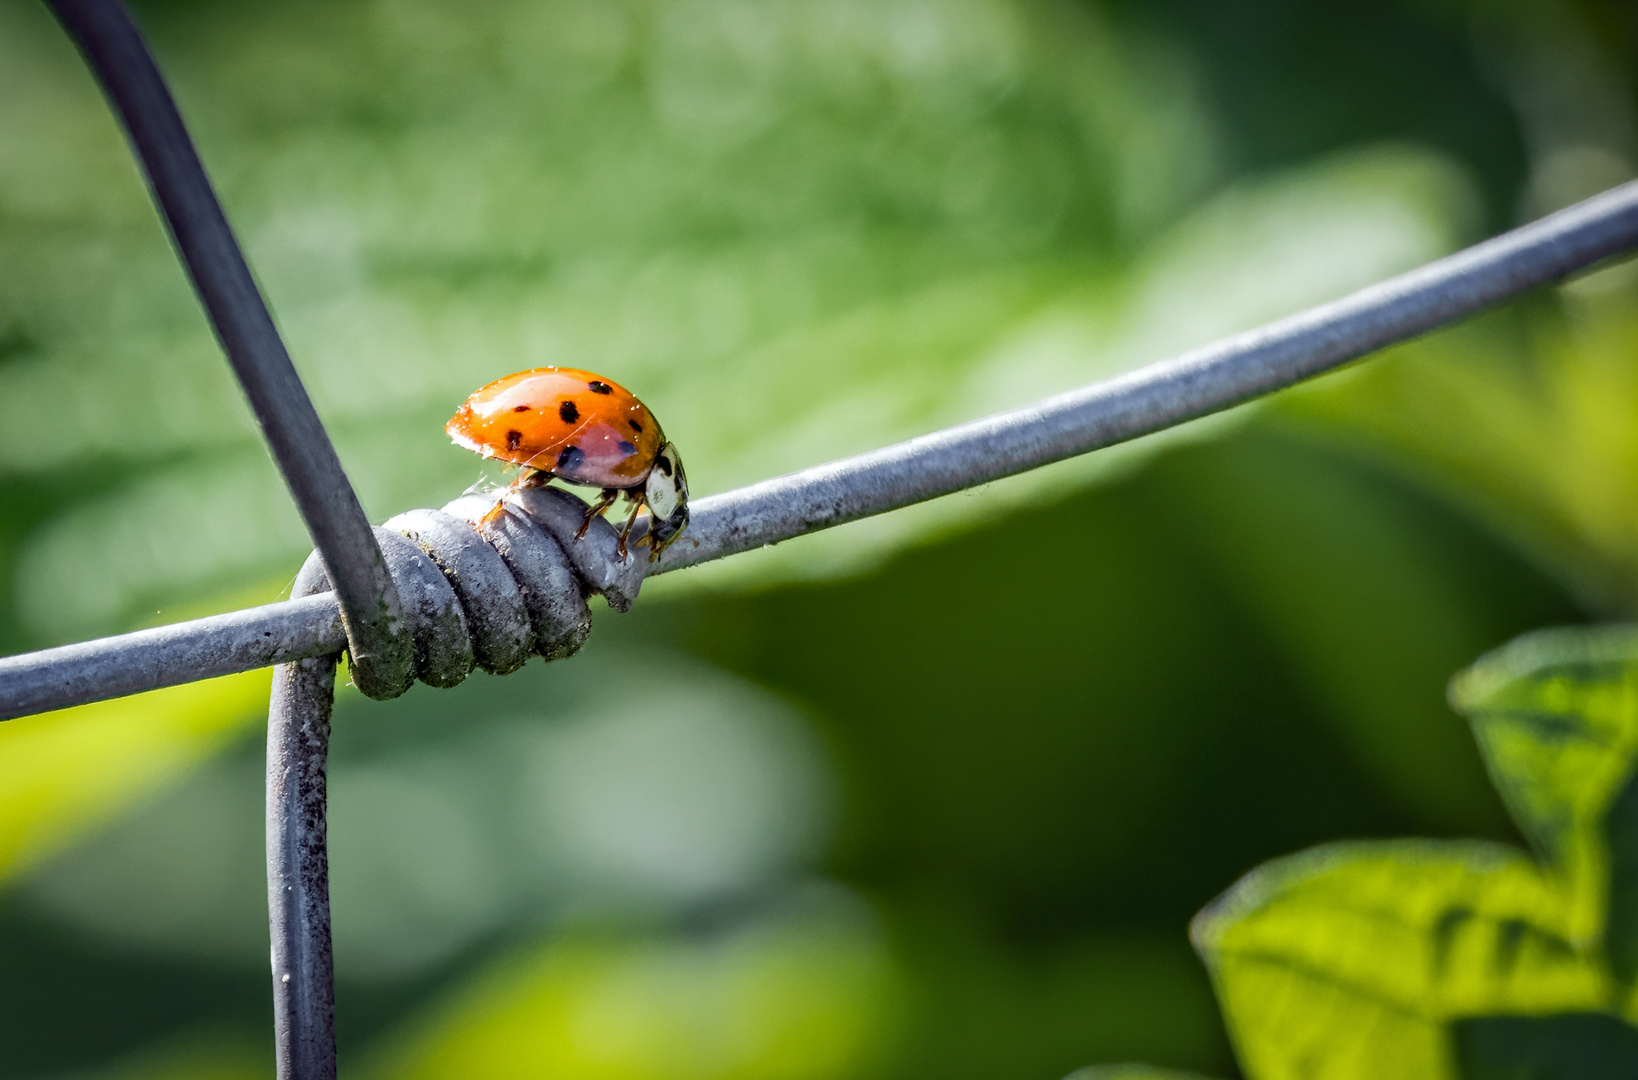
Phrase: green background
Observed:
(930, 795)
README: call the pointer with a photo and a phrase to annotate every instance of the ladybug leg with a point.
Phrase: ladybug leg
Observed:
(604, 501)
(625, 531)
(525, 479)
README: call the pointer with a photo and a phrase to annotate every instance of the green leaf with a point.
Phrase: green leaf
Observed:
(1569, 1046)
(1556, 716)
(1349, 960)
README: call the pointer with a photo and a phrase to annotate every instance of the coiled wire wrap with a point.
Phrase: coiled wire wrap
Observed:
(478, 590)
(490, 591)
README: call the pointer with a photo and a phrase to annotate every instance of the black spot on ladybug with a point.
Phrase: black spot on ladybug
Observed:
(513, 438)
(598, 387)
(568, 413)
(627, 448)
(663, 463)
(570, 458)
(635, 426)
(521, 408)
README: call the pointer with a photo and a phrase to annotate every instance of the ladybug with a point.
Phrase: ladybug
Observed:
(579, 427)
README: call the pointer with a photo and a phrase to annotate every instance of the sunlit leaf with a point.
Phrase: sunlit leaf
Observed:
(1350, 960)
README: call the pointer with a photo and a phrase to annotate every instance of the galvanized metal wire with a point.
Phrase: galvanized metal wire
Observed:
(369, 605)
(1143, 401)
(298, 860)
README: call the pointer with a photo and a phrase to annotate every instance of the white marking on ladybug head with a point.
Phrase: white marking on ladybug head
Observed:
(667, 496)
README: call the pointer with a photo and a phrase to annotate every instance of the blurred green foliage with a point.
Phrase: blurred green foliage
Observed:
(1130, 1072)
(930, 795)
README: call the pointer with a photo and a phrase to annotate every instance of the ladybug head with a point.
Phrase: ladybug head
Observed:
(667, 497)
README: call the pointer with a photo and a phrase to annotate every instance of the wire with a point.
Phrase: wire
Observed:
(1143, 401)
(116, 54)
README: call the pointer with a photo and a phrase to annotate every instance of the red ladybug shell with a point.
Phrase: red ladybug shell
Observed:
(574, 425)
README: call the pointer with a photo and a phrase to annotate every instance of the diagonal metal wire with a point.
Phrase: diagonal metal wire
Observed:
(1143, 401)
(1168, 393)
(369, 603)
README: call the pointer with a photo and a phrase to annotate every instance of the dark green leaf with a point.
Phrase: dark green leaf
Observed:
(1556, 716)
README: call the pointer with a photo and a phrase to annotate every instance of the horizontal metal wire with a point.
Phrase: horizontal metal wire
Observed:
(1143, 401)
(120, 60)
